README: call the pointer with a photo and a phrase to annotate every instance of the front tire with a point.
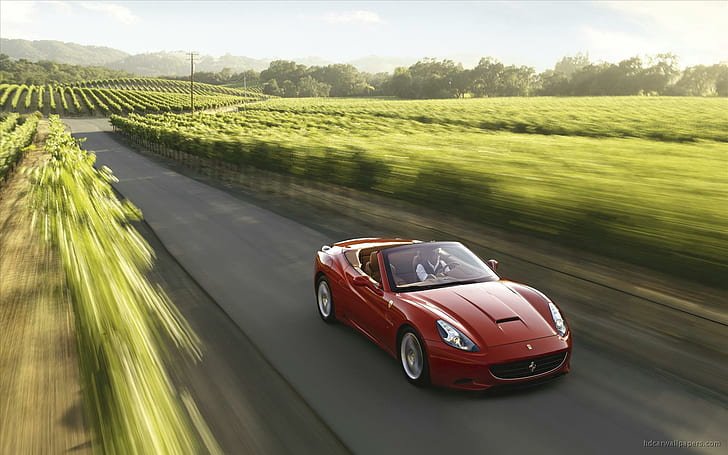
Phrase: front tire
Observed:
(325, 300)
(413, 358)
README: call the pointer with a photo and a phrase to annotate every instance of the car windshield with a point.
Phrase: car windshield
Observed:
(436, 264)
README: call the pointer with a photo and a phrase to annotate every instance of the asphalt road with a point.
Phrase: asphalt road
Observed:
(257, 265)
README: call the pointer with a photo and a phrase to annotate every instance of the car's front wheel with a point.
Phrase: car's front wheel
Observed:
(324, 300)
(413, 358)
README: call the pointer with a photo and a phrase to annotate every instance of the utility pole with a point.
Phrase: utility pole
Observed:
(192, 81)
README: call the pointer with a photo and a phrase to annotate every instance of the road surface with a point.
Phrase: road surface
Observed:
(257, 266)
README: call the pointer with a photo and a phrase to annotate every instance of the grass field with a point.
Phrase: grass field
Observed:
(640, 179)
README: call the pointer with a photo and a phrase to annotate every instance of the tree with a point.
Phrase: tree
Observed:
(552, 83)
(344, 80)
(570, 65)
(271, 88)
(461, 83)
(378, 84)
(701, 80)
(434, 79)
(282, 70)
(663, 70)
(721, 83)
(289, 88)
(310, 87)
(517, 81)
(401, 83)
(43, 72)
(487, 77)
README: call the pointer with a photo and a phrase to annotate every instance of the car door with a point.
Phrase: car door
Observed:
(373, 315)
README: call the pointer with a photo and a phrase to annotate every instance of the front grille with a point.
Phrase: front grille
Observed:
(522, 368)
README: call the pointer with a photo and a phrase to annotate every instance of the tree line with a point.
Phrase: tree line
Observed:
(431, 78)
(45, 72)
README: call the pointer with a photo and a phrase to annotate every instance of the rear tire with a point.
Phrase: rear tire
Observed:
(413, 358)
(325, 300)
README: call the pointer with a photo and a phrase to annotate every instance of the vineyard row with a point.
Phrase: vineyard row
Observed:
(60, 99)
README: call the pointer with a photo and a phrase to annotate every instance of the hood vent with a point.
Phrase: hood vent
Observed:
(511, 319)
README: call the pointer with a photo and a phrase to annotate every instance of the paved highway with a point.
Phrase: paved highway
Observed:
(257, 265)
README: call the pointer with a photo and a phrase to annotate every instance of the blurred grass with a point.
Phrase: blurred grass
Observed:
(123, 322)
(40, 403)
(16, 133)
(608, 186)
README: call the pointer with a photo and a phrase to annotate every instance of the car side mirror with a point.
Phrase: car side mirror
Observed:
(493, 264)
(360, 280)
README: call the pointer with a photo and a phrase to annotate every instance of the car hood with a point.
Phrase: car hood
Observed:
(491, 311)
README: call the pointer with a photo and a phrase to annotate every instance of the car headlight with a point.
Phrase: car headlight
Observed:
(454, 337)
(558, 320)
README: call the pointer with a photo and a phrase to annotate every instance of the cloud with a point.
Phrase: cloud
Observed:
(118, 12)
(17, 19)
(614, 45)
(60, 6)
(700, 28)
(17, 12)
(690, 16)
(353, 17)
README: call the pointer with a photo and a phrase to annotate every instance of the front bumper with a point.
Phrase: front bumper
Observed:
(472, 370)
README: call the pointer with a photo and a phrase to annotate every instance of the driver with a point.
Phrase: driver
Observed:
(430, 264)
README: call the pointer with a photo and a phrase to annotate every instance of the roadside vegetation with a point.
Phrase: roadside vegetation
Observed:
(16, 133)
(642, 180)
(124, 323)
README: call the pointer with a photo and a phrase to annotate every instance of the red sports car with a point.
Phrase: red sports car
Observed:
(446, 315)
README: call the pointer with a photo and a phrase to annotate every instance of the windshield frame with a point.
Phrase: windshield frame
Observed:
(413, 288)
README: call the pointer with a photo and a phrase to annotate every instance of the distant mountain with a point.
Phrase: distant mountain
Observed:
(374, 64)
(178, 63)
(175, 63)
(58, 51)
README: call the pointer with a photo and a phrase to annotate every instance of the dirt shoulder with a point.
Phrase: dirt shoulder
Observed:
(40, 393)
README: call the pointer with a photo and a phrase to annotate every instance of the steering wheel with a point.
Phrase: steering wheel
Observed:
(452, 267)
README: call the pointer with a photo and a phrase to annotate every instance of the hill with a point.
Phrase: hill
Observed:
(60, 52)
(178, 64)
(174, 63)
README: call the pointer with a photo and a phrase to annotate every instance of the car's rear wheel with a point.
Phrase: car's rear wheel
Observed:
(413, 358)
(324, 300)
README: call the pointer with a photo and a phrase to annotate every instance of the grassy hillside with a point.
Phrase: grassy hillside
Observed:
(59, 51)
(641, 179)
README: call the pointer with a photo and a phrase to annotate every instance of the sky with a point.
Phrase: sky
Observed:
(536, 33)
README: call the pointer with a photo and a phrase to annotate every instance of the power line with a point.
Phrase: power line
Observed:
(192, 80)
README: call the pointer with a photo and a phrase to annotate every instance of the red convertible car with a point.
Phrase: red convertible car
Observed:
(448, 318)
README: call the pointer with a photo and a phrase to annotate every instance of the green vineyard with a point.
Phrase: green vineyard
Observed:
(16, 133)
(638, 179)
(120, 96)
(167, 85)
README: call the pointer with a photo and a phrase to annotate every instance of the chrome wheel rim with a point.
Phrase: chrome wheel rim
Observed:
(410, 352)
(324, 299)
